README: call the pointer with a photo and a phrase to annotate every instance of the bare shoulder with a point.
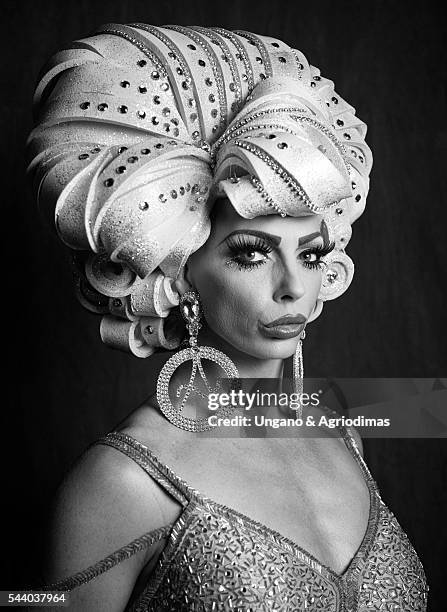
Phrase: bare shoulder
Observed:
(104, 502)
(107, 485)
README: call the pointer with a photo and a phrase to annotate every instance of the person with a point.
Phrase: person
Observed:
(205, 182)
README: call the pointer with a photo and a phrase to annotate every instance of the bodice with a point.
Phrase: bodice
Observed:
(219, 559)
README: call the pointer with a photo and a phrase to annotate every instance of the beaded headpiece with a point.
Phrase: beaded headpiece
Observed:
(140, 128)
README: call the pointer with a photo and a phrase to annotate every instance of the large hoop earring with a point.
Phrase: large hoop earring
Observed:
(191, 312)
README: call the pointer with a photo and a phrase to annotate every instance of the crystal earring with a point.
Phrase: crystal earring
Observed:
(191, 312)
(298, 373)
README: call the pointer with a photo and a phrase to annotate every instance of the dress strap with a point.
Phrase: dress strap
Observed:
(163, 476)
(146, 459)
(95, 570)
(352, 446)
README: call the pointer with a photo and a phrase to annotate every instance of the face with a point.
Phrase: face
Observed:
(259, 279)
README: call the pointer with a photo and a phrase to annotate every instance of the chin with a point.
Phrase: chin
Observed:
(280, 349)
(269, 349)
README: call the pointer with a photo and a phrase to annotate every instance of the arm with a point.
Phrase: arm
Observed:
(105, 502)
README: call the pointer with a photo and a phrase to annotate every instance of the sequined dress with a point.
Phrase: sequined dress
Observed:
(217, 559)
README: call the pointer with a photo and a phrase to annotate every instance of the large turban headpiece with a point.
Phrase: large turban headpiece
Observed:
(140, 128)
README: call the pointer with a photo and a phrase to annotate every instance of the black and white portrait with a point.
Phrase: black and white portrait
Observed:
(226, 237)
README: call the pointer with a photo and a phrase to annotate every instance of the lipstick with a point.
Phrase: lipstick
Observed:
(287, 326)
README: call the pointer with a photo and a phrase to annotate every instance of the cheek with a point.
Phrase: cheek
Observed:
(232, 300)
(313, 281)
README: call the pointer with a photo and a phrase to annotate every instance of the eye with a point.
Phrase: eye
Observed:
(247, 253)
(313, 258)
(252, 256)
(310, 256)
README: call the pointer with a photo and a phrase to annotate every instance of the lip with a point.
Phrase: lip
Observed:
(285, 327)
(287, 320)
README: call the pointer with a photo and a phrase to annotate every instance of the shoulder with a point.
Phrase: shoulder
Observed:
(105, 482)
(105, 502)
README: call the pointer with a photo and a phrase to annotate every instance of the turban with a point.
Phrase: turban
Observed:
(139, 129)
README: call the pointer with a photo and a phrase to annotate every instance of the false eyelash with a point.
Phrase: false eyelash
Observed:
(244, 265)
(240, 245)
(321, 250)
(325, 249)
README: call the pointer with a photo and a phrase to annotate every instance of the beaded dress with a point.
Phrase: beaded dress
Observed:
(218, 559)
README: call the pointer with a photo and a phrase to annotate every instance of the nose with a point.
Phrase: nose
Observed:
(289, 284)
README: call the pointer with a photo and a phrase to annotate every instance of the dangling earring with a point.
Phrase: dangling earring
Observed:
(298, 373)
(191, 312)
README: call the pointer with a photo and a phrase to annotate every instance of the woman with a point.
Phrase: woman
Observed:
(213, 175)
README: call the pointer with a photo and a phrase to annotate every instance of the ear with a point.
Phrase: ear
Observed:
(316, 311)
(182, 283)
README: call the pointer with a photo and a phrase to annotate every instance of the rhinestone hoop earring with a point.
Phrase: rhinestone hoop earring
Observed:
(298, 373)
(191, 312)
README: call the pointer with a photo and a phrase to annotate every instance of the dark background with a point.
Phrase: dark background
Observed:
(388, 60)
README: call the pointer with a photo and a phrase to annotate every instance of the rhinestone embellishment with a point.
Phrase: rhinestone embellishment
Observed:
(263, 193)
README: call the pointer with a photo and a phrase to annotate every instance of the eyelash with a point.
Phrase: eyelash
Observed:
(320, 251)
(241, 245)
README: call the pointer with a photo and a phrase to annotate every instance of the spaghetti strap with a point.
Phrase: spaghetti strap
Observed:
(146, 459)
(352, 446)
(95, 570)
(163, 476)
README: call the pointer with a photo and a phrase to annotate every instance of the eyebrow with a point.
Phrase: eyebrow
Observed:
(302, 240)
(323, 233)
(271, 238)
(276, 240)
